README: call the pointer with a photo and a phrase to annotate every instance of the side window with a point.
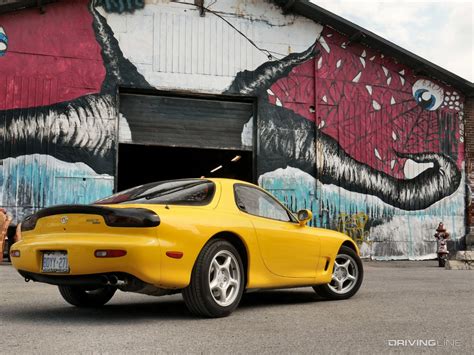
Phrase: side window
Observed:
(258, 203)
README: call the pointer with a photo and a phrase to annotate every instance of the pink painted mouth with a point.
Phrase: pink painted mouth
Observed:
(51, 57)
(366, 102)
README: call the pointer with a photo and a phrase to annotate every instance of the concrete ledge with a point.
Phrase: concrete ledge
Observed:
(470, 240)
(465, 255)
(459, 265)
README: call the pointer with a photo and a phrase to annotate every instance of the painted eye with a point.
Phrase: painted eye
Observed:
(424, 98)
(3, 42)
(427, 94)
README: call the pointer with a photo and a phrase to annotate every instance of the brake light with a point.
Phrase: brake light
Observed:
(109, 253)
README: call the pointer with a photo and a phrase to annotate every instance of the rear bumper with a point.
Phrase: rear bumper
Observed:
(68, 280)
(141, 261)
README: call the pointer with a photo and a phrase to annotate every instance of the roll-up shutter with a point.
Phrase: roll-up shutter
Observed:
(186, 122)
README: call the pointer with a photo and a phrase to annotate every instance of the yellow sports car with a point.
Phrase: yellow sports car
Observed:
(210, 239)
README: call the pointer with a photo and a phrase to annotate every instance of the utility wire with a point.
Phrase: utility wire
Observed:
(270, 54)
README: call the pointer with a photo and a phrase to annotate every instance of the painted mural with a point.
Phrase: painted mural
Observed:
(381, 147)
(374, 149)
(121, 6)
(58, 107)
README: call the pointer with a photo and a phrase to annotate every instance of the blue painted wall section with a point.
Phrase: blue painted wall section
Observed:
(30, 182)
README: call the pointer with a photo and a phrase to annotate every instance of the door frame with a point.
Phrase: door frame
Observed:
(191, 95)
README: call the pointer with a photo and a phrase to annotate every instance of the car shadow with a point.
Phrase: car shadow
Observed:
(278, 297)
(172, 308)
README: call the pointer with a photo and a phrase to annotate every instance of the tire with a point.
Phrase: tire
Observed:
(342, 287)
(217, 281)
(82, 297)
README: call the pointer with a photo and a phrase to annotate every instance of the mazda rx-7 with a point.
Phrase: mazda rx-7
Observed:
(209, 239)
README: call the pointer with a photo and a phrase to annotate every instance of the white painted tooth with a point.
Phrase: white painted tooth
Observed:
(377, 154)
(372, 58)
(402, 72)
(461, 139)
(362, 60)
(376, 105)
(448, 93)
(456, 103)
(392, 164)
(329, 35)
(451, 107)
(394, 136)
(357, 77)
(392, 101)
(457, 108)
(455, 93)
(339, 62)
(389, 80)
(320, 62)
(364, 54)
(385, 70)
(278, 102)
(369, 89)
(270, 92)
(402, 79)
(343, 46)
(325, 99)
(381, 56)
(321, 124)
(324, 44)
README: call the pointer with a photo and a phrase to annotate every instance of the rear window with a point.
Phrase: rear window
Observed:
(194, 192)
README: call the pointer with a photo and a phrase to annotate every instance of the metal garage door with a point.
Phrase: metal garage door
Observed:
(187, 122)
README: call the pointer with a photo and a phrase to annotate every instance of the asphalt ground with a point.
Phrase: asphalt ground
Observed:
(402, 307)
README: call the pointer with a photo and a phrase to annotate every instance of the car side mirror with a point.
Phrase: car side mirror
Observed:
(304, 216)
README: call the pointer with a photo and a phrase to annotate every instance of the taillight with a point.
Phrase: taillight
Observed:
(109, 253)
(114, 217)
(130, 218)
(14, 253)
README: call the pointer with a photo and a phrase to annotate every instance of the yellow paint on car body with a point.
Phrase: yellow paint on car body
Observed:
(279, 254)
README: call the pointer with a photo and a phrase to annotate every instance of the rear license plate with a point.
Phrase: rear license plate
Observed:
(55, 261)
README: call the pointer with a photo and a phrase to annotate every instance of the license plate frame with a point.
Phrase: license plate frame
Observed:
(55, 261)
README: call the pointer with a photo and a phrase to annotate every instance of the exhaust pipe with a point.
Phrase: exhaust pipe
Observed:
(113, 280)
(104, 280)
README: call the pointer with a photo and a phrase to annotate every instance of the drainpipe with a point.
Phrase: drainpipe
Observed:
(289, 4)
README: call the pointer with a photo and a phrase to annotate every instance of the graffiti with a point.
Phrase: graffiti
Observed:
(368, 133)
(354, 226)
(3, 42)
(120, 6)
(297, 146)
(341, 127)
(59, 112)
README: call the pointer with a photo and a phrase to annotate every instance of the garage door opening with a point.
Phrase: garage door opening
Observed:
(140, 164)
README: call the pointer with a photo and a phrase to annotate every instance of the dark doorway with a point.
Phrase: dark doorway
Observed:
(140, 164)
